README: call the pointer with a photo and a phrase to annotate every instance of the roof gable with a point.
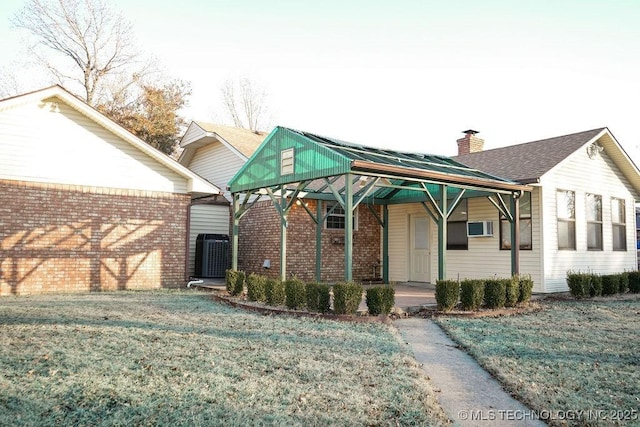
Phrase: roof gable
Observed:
(243, 142)
(51, 96)
(528, 162)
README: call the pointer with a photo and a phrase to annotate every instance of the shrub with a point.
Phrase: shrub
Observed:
(610, 284)
(318, 297)
(624, 282)
(234, 281)
(256, 287)
(495, 293)
(595, 284)
(526, 288)
(295, 295)
(347, 297)
(579, 284)
(634, 281)
(380, 300)
(447, 294)
(274, 291)
(471, 294)
(512, 291)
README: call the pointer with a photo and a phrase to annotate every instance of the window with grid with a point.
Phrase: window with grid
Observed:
(566, 214)
(336, 217)
(594, 222)
(457, 227)
(526, 232)
(619, 224)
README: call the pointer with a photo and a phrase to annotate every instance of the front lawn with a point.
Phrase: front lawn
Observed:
(568, 357)
(178, 358)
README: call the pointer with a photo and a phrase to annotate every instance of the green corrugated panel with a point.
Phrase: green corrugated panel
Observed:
(311, 161)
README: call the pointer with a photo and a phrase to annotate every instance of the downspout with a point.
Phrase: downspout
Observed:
(187, 242)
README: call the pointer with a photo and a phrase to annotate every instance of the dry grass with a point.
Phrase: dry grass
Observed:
(178, 358)
(569, 356)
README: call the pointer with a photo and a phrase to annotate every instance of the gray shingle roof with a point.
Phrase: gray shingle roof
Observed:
(527, 162)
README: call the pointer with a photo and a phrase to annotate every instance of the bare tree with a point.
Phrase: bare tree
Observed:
(90, 41)
(245, 102)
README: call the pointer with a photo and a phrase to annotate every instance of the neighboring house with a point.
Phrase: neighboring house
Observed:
(575, 207)
(84, 204)
(216, 153)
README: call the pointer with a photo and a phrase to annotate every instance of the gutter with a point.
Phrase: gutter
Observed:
(361, 165)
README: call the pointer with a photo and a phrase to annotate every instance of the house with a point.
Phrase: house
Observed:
(567, 203)
(215, 152)
(581, 212)
(84, 204)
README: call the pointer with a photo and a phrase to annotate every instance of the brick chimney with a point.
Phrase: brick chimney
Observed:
(470, 143)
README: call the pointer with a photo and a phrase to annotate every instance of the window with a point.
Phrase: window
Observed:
(335, 217)
(457, 228)
(594, 222)
(566, 213)
(619, 225)
(286, 162)
(525, 226)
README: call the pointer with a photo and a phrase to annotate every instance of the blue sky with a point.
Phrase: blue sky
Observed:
(410, 75)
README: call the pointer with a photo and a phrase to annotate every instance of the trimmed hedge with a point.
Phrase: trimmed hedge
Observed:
(447, 294)
(295, 295)
(471, 294)
(595, 285)
(526, 288)
(634, 281)
(495, 292)
(274, 291)
(318, 297)
(380, 300)
(624, 282)
(512, 292)
(256, 287)
(234, 281)
(347, 297)
(610, 284)
(579, 284)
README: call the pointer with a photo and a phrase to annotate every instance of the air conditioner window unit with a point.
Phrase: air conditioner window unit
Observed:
(480, 228)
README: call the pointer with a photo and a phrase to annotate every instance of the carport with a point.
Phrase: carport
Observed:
(291, 166)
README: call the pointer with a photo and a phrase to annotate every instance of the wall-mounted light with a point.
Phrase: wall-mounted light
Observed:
(594, 149)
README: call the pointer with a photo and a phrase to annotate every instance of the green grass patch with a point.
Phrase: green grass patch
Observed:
(570, 356)
(179, 358)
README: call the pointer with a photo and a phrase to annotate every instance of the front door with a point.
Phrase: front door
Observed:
(419, 249)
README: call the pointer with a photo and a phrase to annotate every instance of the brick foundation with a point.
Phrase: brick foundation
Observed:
(259, 239)
(56, 238)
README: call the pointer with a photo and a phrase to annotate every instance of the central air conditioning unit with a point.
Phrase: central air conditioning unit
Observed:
(212, 255)
(479, 228)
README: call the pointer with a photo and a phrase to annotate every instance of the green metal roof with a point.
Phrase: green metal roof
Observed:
(317, 158)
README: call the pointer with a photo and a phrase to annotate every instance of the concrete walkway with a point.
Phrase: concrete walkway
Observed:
(469, 395)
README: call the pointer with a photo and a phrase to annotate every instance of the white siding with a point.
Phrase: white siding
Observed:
(483, 258)
(206, 219)
(65, 147)
(595, 176)
(216, 163)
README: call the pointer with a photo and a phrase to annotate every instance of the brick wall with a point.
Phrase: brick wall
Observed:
(259, 239)
(56, 238)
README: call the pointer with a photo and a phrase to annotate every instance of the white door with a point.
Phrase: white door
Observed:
(419, 249)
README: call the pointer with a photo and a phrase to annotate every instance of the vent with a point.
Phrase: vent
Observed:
(212, 255)
(479, 228)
